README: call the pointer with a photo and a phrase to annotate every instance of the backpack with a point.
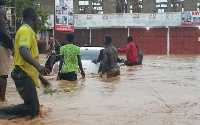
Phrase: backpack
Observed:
(140, 55)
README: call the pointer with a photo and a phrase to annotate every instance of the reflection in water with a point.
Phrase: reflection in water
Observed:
(72, 88)
(109, 85)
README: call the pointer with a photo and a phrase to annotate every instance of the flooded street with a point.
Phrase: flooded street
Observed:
(165, 90)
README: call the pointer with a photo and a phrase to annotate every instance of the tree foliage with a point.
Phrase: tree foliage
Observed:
(20, 5)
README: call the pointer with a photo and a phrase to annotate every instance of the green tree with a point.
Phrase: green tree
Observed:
(20, 5)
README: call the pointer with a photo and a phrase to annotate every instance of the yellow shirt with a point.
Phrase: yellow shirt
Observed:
(26, 37)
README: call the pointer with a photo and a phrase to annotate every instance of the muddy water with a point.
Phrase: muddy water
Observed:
(164, 90)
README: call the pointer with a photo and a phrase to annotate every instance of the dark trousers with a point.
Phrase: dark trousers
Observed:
(132, 64)
(100, 68)
(30, 107)
(70, 76)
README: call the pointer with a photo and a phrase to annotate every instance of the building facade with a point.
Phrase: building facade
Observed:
(166, 35)
(125, 6)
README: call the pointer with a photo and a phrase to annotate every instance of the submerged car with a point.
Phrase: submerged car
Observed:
(87, 55)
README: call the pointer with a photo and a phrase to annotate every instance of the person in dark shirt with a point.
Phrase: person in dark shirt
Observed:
(50, 62)
(100, 59)
(57, 52)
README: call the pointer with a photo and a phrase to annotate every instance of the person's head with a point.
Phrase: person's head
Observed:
(30, 17)
(3, 2)
(129, 39)
(108, 40)
(70, 38)
(57, 50)
(62, 44)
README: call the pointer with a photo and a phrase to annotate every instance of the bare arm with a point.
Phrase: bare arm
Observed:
(105, 58)
(100, 57)
(28, 58)
(60, 66)
(96, 60)
(41, 69)
(61, 62)
(80, 65)
(125, 49)
(44, 81)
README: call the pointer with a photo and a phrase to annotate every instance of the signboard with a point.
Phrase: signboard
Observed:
(190, 18)
(64, 14)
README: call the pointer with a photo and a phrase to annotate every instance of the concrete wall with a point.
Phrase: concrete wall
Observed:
(76, 6)
(127, 19)
(109, 6)
(148, 6)
(83, 21)
(190, 5)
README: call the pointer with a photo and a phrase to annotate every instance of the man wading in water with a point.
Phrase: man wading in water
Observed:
(110, 56)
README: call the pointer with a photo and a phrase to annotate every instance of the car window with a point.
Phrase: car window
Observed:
(89, 54)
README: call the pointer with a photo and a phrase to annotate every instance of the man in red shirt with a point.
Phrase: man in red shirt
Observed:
(131, 52)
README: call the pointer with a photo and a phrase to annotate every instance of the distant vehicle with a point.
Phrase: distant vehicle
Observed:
(87, 55)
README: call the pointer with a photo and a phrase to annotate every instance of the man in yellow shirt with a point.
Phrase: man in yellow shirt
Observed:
(27, 69)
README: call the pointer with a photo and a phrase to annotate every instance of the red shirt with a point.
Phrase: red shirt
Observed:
(131, 52)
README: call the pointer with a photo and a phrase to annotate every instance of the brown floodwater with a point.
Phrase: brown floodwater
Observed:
(165, 90)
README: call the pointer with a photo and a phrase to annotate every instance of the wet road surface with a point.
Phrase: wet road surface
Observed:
(165, 90)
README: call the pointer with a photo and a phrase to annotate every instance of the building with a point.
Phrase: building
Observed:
(125, 6)
(94, 19)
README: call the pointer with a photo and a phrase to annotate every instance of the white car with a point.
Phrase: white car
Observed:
(87, 55)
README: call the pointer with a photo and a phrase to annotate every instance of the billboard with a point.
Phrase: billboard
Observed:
(64, 15)
(190, 18)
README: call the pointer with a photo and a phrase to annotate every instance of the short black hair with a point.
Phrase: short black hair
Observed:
(70, 37)
(63, 43)
(130, 38)
(57, 48)
(29, 13)
(108, 39)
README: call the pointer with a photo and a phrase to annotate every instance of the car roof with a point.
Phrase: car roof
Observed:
(91, 48)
